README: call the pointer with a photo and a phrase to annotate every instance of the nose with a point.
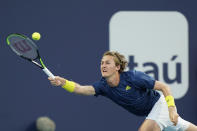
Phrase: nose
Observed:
(103, 65)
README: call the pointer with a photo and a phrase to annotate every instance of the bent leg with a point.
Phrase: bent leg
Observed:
(184, 125)
(149, 125)
(192, 127)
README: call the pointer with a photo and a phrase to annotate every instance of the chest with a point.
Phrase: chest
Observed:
(125, 90)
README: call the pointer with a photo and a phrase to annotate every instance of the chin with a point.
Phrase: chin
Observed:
(105, 75)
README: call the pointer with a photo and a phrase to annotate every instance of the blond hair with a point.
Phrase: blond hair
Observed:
(119, 59)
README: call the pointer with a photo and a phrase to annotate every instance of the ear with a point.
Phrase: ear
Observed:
(118, 67)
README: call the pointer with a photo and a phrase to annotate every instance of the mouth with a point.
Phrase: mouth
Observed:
(104, 71)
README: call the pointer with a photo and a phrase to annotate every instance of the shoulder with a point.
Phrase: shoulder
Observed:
(134, 75)
(99, 83)
(131, 73)
(140, 79)
(128, 75)
(99, 86)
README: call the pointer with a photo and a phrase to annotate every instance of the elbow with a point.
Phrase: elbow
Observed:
(161, 86)
(77, 89)
(164, 88)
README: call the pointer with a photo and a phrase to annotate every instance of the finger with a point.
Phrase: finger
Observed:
(53, 83)
(172, 120)
(175, 123)
(58, 82)
(176, 119)
(49, 78)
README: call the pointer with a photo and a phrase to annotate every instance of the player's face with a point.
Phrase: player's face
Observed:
(108, 67)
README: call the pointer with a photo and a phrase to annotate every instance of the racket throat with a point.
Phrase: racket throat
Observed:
(37, 64)
(42, 64)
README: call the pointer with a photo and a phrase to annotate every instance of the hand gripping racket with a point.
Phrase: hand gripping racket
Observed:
(27, 49)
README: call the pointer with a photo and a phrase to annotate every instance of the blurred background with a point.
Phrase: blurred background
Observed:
(75, 34)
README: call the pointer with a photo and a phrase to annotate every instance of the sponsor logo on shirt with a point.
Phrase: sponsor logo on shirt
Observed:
(128, 88)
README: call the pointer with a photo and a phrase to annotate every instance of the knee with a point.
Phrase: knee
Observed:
(152, 127)
(140, 129)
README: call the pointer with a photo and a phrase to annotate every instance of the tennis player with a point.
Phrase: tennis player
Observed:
(134, 91)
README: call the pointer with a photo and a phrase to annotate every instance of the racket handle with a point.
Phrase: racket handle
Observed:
(46, 71)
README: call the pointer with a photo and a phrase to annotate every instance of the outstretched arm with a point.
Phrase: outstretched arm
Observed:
(169, 99)
(72, 86)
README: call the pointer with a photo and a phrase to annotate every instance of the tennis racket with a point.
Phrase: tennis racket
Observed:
(27, 49)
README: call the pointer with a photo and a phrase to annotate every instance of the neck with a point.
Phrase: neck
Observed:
(113, 80)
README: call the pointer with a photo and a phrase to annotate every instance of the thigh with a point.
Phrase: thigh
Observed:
(182, 125)
(192, 127)
(149, 125)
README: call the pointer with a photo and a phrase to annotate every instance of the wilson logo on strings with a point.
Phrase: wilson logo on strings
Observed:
(22, 46)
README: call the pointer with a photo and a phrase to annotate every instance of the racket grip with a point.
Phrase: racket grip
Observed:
(46, 71)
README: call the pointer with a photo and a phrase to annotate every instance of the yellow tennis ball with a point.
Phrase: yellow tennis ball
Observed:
(36, 36)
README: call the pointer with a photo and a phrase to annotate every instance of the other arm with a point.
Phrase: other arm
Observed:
(167, 93)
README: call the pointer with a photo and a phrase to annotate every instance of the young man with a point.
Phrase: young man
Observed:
(135, 91)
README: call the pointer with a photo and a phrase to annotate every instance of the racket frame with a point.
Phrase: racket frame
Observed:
(41, 65)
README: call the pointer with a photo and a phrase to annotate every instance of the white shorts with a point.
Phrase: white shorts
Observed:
(160, 115)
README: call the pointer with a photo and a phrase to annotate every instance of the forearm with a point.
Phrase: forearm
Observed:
(72, 86)
(165, 89)
(84, 90)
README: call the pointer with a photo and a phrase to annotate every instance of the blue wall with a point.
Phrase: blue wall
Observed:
(74, 36)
